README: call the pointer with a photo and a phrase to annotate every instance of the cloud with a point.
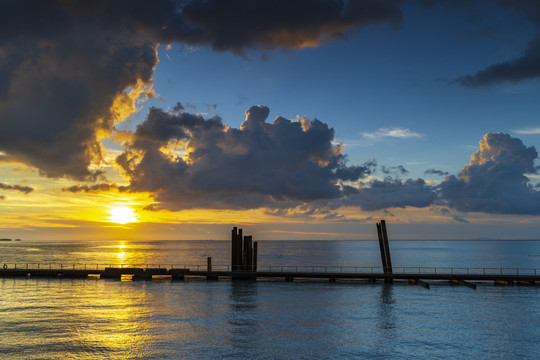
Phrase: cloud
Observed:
(21, 188)
(242, 24)
(392, 193)
(435, 172)
(524, 67)
(398, 133)
(527, 66)
(529, 131)
(316, 210)
(95, 188)
(280, 164)
(70, 70)
(460, 219)
(399, 170)
(494, 181)
(63, 81)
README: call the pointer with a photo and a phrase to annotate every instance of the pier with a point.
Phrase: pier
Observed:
(469, 277)
(244, 267)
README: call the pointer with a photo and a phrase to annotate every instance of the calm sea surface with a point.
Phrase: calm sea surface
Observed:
(106, 319)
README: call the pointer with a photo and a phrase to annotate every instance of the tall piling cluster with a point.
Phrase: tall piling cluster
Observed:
(385, 248)
(243, 252)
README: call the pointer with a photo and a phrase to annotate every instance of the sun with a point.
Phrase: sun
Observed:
(122, 215)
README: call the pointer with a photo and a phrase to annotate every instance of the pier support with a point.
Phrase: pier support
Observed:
(243, 252)
(419, 282)
(385, 248)
(464, 283)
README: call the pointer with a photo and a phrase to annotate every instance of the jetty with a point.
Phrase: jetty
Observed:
(244, 267)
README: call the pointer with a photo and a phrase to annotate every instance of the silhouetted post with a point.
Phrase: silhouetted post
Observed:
(240, 251)
(209, 264)
(243, 257)
(249, 253)
(255, 256)
(234, 251)
(381, 246)
(245, 253)
(386, 246)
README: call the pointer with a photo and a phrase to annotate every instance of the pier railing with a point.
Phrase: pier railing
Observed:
(419, 270)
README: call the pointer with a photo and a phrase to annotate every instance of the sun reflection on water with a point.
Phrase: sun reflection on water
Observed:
(115, 317)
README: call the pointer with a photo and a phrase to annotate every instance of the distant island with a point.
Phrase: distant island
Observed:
(5, 239)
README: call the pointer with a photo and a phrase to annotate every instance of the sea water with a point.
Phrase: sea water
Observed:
(108, 319)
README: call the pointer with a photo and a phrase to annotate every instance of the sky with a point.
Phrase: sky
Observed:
(310, 119)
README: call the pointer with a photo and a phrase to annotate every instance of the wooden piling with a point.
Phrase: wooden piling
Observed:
(209, 264)
(386, 247)
(234, 260)
(244, 252)
(239, 251)
(381, 246)
(255, 245)
(248, 253)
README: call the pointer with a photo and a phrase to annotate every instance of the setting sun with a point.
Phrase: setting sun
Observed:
(123, 215)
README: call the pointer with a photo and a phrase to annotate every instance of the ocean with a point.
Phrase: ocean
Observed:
(107, 319)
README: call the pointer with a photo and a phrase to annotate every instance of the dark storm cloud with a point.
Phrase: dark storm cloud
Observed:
(63, 63)
(21, 188)
(435, 172)
(526, 66)
(494, 181)
(239, 24)
(352, 173)
(392, 193)
(61, 67)
(280, 164)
